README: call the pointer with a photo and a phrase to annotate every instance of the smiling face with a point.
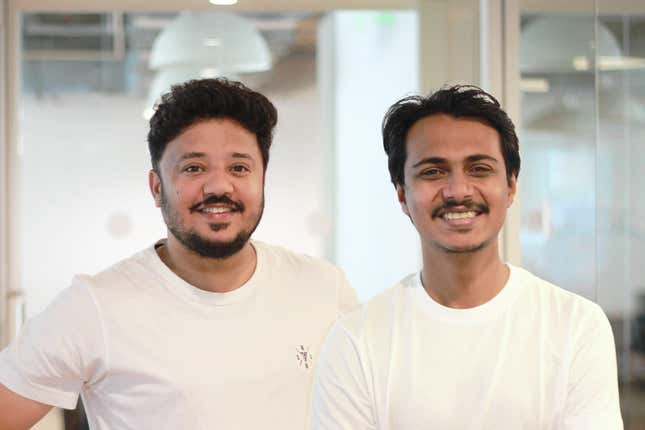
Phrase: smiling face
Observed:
(211, 188)
(456, 191)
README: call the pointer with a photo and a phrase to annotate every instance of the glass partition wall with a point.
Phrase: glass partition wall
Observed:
(583, 146)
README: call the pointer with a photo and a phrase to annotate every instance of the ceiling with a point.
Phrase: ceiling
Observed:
(243, 5)
(530, 6)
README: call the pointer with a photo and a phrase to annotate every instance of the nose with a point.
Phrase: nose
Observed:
(218, 182)
(458, 188)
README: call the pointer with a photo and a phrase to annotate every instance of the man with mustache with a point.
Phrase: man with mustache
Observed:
(207, 328)
(468, 342)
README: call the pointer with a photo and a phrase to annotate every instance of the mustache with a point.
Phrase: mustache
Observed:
(214, 199)
(467, 205)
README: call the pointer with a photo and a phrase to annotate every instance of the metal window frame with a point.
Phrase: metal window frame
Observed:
(10, 296)
(500, 68)
(4, 186)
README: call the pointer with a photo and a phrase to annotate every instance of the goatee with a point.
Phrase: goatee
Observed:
(204, 247)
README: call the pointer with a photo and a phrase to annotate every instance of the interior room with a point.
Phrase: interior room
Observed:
(81, 78)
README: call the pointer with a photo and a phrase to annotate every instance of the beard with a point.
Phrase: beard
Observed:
(462, 250)
(205, 247)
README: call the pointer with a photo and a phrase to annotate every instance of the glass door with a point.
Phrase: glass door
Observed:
(583, 82)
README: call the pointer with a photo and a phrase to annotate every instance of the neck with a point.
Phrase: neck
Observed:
(463, 280)
(209, 274)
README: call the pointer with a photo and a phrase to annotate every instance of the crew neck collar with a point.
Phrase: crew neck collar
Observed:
(187, 291)
(492, 309)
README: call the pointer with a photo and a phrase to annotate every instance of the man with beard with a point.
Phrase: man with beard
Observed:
(205, 329)
(468, 342)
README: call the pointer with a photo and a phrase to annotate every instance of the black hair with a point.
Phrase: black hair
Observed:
(203, 99)
(458, 101)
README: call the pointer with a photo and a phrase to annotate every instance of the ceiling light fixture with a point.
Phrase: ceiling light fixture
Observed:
(564, 44)
(212, 42)
(209, 73)
(189, 41)
(223, 2)
(534, 85)
(606, 63)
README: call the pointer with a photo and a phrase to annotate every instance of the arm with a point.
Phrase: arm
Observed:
(17, 412)
(55, 354)
(592, 392)
(341, 399)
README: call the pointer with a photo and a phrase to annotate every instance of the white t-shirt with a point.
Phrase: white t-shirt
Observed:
(534, 357)
(146, 350)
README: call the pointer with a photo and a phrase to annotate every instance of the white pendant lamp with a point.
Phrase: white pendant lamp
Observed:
(217, 40)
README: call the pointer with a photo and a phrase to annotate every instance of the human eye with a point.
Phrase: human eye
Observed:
(432, 172)
(481, 169)
(240, 169)
(192, 168)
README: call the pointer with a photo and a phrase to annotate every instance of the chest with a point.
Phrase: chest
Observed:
(471, 377)
(212, 366)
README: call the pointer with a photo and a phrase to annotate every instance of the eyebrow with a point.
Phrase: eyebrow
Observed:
(439, 160)
(188, 155)
(194, 154)
(241, 155)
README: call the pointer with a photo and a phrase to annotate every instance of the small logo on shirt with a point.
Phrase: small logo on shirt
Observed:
(304, 356)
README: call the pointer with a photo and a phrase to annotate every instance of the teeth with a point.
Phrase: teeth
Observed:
(216, 210)
(459, 215)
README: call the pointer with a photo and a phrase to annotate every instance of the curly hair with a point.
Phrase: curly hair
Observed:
(203, 99)
(457, 101)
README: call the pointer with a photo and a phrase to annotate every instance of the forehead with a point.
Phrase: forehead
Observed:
(214, 138)
(451, 138)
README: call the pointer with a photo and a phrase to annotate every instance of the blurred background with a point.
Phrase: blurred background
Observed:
(81, 78)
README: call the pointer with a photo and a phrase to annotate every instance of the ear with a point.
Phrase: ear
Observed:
(400, 193)
(154, 182)
(512, 189)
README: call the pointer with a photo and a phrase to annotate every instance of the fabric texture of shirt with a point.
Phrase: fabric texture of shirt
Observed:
(146, 350)
(533, 357)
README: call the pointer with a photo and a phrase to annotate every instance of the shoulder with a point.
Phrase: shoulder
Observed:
(294, 264)
(551, 294)
(555, 303)
(379, 315)
(123, 278)
(301, 279)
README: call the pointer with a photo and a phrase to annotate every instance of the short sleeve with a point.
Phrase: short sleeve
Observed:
(347, 299)
(57, 351)
(341, 399)
(592, 393)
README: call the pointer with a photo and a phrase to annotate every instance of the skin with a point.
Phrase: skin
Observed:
(215, 157)
(30, 412)
(456, 165)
